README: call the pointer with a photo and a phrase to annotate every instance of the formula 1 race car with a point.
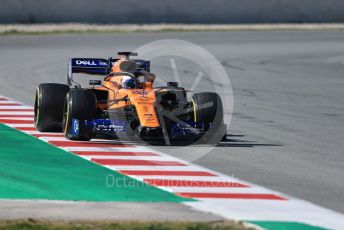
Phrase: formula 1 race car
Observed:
(125, 103)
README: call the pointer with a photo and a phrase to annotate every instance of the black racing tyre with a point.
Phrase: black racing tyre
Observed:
(49, 102)
(208, 109)
(80, 105)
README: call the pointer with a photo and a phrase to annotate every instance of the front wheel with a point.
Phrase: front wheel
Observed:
(208, 110)
(80, 106)
(48, 111)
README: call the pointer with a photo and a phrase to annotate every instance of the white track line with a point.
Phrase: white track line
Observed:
(21, 125)
(16, 112)
(38, 132)
(17, 118)
(154, 168)
(3, 103)
(42, 134)
(15, 107)
(218, 189)
(146, 158)
(108, 149)
(194, 178)
(66, 140)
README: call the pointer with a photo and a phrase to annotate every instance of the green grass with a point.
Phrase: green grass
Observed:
(120, 225)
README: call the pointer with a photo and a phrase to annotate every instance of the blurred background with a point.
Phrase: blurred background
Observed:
(171, 11)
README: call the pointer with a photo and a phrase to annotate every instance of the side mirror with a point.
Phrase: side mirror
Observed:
(95, 82)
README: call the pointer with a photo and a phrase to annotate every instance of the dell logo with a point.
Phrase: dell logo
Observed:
(86, 62)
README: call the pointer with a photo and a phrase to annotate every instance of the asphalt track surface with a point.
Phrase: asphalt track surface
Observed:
(287, 128)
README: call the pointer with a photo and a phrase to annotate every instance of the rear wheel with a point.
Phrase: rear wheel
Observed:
(48, 111)
(208, 110)
(80, 106)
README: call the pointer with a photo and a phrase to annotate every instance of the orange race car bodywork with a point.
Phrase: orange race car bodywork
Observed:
(143, 99)
(125, 101)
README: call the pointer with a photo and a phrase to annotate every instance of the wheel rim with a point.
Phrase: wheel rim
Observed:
(66, 116)
(36, 109)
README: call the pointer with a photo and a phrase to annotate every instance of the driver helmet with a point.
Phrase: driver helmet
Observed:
(128, 82)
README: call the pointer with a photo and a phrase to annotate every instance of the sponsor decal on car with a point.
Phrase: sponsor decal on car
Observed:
(140, 92)
(107, 125)
(86, 62)
(75, 127)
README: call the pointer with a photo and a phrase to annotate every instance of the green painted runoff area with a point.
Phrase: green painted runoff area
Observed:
(281, 225)
(33, 169)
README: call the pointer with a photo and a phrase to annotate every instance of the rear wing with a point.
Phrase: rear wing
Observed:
(98, 66)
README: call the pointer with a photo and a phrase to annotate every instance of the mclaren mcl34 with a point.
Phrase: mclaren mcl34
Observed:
(125, 103)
